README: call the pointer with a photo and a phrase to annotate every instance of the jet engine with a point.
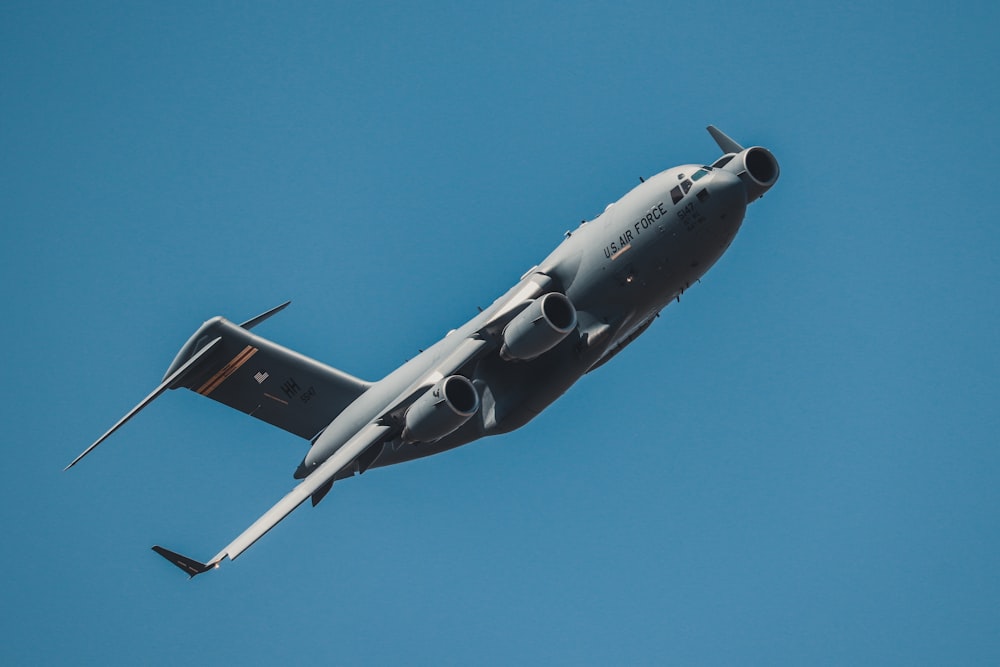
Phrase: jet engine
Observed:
(539, 327)
(757, 168)
(441, 410)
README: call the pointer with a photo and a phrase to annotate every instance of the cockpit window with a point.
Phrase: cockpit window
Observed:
(676, 195)
(698, 174)
(686, 186)
(723, 161)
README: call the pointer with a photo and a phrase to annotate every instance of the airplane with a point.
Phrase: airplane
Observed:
(601, 288)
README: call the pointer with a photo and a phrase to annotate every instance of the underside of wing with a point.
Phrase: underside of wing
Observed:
(370, 436)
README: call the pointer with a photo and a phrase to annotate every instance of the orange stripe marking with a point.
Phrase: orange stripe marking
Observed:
(234, 365)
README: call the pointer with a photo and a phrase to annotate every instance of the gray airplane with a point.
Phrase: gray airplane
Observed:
(596, 293)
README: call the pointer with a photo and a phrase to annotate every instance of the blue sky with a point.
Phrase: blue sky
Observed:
(798, 464)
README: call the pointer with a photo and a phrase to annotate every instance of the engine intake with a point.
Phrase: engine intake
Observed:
(538, 328)
(441, 410)
(758, 170)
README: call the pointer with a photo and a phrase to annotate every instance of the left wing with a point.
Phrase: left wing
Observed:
(229, 364)
(471, 341)
(369, 437)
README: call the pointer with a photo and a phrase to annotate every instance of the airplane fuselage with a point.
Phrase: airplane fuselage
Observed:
(619, 270)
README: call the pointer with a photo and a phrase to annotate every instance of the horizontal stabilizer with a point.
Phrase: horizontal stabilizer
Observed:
(189, 565)
(725, 143)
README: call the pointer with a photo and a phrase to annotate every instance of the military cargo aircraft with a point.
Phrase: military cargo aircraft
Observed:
(597, 292)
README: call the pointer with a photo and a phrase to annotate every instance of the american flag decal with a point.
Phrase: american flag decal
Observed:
(260, 377)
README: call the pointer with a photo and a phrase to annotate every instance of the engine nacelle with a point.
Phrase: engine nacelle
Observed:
(441, 410)
(539, 327)
(757, 168)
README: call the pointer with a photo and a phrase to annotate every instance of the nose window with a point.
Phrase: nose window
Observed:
(679, 191)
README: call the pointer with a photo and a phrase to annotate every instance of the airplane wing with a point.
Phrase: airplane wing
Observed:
(265, 380)
(369, 437)
(365, 438)
(229, 364)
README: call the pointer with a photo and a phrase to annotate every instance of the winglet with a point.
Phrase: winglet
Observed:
(254, 321)
(192, 567)
(725, 143)
(169, 380)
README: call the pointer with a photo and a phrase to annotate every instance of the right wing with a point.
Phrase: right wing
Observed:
(265, 380)
(227, 363)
